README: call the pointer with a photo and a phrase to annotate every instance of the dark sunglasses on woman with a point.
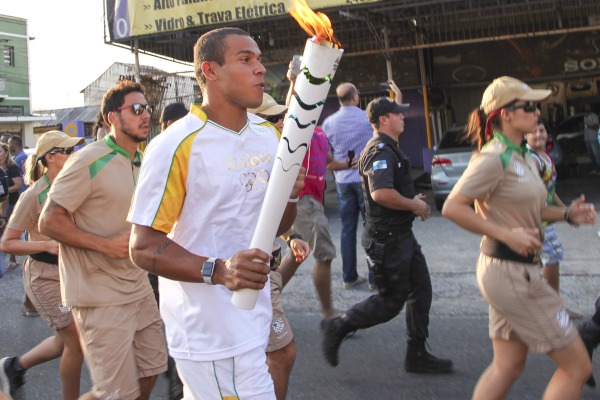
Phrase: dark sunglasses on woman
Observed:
(64, 150)
(274, 118)
(530, 106)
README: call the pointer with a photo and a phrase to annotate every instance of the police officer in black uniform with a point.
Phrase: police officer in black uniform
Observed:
(393, 253)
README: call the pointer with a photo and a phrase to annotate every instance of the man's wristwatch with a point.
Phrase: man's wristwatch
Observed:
(208, 269)
(292, 237)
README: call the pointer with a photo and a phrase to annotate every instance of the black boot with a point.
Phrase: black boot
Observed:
(590, 333)
(418, 360)
(335, 330)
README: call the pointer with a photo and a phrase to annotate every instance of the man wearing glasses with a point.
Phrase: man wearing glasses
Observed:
(110, 297)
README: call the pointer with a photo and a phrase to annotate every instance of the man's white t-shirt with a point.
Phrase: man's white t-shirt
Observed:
(204, 185)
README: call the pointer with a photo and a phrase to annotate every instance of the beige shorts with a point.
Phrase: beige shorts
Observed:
(312, 223)
(523, 306)
(281, 333)
(121, 345)
(42, 285)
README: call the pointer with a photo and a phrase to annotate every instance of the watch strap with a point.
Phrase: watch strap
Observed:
(208, 269)
(292, 237)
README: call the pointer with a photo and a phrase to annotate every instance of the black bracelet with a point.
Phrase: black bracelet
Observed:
(292, 237)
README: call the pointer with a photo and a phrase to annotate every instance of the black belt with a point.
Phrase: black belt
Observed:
(45, 257)
(493, 248)
(387, 231)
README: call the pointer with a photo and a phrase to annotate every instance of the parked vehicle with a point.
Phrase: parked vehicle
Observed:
(452, 157)
(569, 136)
(448, 163)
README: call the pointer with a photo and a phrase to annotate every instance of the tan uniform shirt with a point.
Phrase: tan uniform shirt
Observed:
(511, 196)
(96, 186)
(28, 209)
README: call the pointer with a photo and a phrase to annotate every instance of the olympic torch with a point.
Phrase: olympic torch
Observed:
(320, 60)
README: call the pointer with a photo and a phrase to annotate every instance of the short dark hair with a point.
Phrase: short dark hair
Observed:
(115, 96)
(16, 140)
(173, 112)
(209, 47)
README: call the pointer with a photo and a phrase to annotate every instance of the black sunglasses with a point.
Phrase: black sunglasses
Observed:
(64, 150)
(530, 106)
(137, 108)
(275, 118)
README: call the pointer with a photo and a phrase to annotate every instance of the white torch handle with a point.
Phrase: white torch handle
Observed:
(311, 89)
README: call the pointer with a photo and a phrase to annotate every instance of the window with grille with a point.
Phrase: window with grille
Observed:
(11, 111)
(9, 55)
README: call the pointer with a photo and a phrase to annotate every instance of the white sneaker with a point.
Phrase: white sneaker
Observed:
(358, 281)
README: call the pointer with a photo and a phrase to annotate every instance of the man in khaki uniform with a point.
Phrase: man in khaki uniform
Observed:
(110, 297)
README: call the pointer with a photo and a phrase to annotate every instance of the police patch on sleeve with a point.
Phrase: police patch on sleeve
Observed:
(379, 164)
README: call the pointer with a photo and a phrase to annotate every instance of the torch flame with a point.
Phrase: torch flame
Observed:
(315, 24)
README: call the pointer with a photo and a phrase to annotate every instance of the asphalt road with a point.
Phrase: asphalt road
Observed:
(371, 364)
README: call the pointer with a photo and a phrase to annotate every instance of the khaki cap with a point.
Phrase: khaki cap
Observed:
(268, 107)
(55, 139)
(504, 90)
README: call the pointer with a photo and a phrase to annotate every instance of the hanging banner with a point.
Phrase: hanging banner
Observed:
(134, 18)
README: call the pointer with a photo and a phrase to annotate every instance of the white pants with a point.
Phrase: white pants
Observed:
(242, 377)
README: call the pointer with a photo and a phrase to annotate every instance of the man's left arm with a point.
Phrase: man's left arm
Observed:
(391, 198)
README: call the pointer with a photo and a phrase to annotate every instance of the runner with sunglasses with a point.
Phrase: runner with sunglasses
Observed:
(40, 272)
(111, 299)
(503, 182)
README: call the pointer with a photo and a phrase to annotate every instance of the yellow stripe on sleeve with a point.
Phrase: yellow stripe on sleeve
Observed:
(175, 189)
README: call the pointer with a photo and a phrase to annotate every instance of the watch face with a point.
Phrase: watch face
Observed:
(208, 269)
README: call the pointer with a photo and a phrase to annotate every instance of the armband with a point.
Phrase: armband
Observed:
(295, 200)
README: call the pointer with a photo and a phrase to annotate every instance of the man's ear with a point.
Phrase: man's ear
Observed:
(209, 69)
(111, 117)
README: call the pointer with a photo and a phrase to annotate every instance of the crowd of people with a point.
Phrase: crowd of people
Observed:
(172, 243)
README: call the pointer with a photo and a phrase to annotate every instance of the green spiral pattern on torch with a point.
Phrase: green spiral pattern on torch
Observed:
(314, 80)
(300, 125)
(308, 107)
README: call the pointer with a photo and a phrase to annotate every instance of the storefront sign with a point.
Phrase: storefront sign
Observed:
(131, 18)
(585, 64)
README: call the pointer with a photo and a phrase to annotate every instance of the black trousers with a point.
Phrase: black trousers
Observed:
(406, 278)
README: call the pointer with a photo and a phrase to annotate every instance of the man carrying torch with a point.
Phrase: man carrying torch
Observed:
(196, 205)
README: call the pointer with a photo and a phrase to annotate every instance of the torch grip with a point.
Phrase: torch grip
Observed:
(245, 299)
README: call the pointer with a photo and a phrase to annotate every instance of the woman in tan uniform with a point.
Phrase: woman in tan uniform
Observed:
(503, 182)
(40, 272)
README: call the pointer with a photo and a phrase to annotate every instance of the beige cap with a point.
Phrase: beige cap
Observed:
(53, 139)
(268, 107)
(505, 90)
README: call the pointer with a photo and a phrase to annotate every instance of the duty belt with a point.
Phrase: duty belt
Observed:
(387, 231)
(496, 249)
(45, 257)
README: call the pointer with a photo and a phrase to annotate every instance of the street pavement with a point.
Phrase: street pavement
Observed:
(371, 365)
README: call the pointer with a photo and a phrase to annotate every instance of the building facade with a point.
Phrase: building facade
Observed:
(15, 101)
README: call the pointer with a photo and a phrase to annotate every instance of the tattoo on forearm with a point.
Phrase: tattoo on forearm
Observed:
(157, 252)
